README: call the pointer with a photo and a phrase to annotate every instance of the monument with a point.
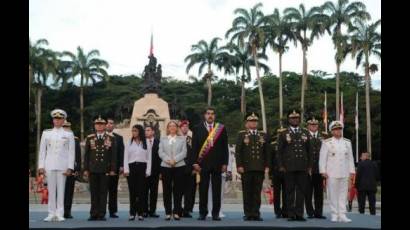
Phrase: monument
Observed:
(151, 109)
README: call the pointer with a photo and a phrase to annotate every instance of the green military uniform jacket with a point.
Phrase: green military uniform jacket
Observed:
(100, 155)
(293, 150)
(252, 152)
(314, 147)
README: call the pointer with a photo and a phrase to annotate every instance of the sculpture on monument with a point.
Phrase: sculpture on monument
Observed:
(152, 76)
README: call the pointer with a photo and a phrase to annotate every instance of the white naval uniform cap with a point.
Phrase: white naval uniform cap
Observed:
(58, 113)
(335, 125)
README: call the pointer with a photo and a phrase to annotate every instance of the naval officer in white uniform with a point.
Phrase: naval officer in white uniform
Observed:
(337, 166)
(56, 160)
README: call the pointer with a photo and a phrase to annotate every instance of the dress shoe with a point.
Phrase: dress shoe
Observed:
(145, 215)
(68, 216)
(320, 217)
(176, 217)
(278, 216)
(258, 218)
(141, 218)
(187, 215)
(102, 218)
(59, 218)
(311, 216)
(48, 218)
(285, 215)
(168, 217)
(202, 217)
(113, 215)
(292, 218)
(343, 218)
(247, 218)
(154, 215)
(92, 218)
(217, 218)
(334, 218)
(300, 218)
(131, 218)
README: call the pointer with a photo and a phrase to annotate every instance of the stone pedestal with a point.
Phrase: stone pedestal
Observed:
(150, 109)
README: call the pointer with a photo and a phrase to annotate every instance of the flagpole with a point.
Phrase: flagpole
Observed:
(342, 113)
(357, 127)
(325, 112)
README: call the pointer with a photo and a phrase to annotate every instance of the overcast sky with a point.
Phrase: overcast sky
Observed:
(120, 30)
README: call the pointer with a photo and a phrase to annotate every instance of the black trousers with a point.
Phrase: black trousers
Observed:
(136, 186)
(68, 194)
(216, 179)
(112, 194)
(189, 191)
(172, 184)
(279, 193)
(295, 192)
(314, 189)
(98, 188)
(251, 191)
(151, 194)
(361, 198)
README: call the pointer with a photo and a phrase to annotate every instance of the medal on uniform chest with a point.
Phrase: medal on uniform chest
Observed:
(288, 139)
(246, 139)
(92, 143)
(107, 143)
(304, 137)
(261, 140)
(211, 141)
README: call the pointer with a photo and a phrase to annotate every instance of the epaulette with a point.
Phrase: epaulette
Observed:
(46, 130)
(243, 131)
(91, 135)
(273, 142)
(109, 134)
(346, 139)
(281, 130)
(261, 131)
(328, 139)
(76, 138)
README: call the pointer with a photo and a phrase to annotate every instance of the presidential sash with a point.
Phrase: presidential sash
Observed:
(210, 141)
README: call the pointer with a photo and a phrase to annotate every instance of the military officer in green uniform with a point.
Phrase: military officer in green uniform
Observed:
(252, 160)
(99, 162)
(278, 180)
(315, 180)
(295, 160)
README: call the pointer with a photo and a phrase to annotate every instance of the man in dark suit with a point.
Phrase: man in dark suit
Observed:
(366, 183)
(190, 175)
(151, 188)
(70, 181)
(113, 180)
(210, 155)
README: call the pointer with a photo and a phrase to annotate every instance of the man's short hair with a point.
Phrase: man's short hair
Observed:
(110, 118)
(209, 108)
(149, 126)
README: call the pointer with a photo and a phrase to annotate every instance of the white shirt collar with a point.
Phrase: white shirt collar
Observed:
(172, 139)
(253, 131)
(294, 128)
(314, 134)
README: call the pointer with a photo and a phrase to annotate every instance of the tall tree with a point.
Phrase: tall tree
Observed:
(366, 41)
(205, 54)
(248, 26)
(313, 21)
(242, 61)
(343, 13)
(89, 68)
(42, 62)
(278, 34)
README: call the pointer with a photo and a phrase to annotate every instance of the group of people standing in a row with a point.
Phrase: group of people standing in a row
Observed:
(300, 161)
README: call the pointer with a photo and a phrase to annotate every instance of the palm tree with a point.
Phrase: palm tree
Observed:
(242, 61)
(42, 63)
(64, 72)
(205, 54)
(89, 68)
(303, 21)
(248, 25)
(278, 34)
(366, 41)
(343, 13)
